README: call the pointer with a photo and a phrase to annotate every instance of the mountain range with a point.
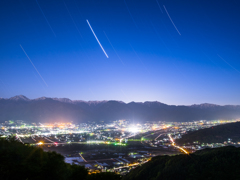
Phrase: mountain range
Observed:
(63, 109)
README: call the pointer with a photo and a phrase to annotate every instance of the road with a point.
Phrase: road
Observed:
(173, 144)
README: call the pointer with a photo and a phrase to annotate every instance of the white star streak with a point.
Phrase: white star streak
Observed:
(123, 93)
(72, 18)
(228, 64)
(45, 18)
(131, 15)
(113, 48)
(97, 38)
(172, 20)
(33, 65)
(159, 6)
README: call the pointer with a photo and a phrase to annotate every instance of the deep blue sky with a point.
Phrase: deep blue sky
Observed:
(149, 59)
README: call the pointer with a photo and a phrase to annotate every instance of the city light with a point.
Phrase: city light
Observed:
(133, 129)
(173, 144)
(40, 143)
(156, 136)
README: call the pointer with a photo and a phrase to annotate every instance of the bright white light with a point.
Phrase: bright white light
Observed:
(40, 143)
(133, 129)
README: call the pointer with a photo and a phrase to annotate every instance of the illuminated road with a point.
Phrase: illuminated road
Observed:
(173, 144)
(158, 131)
(82, 157)
(130, 165)
(49, 140)
(158, 136)
(88, 142)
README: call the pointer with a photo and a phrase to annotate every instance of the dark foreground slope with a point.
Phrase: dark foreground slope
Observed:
(216, 134)
(18, 161)
(220, 164)
(54, 109)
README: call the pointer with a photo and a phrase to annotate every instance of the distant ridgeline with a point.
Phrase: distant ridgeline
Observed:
(63, 109)
(216, 134)
(215, 164)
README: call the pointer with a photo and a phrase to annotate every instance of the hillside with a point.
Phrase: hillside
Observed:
(18, 161)
(220, 163)
(216, 134)
(63, 109)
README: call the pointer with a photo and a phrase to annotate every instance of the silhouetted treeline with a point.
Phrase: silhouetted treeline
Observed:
(220, 164)
(18, 161)
(216, 134)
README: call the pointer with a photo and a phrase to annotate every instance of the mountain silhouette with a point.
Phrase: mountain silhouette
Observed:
(62, 109)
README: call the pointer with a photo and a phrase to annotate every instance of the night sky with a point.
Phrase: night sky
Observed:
(177, 52)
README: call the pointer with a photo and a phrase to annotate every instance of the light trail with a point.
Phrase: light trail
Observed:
(49, 140)
(158, 137)
(135, 164)
(113, 48)
(228, 63)
(19, 138)
(96, 38)
(131, 15)
(33, 138)
(72, 19)
(82, 157)
(142, 139)
(159, 6)
(171, 20)
(173, 144)
(45, 18)
(139, 58)
(89, 142)
(33, 65)
(123, 93)
(159, 37)
(3, 85)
